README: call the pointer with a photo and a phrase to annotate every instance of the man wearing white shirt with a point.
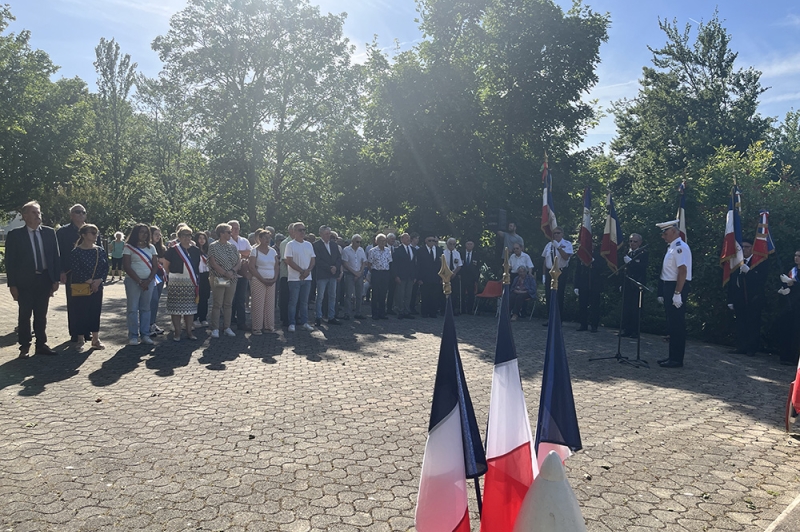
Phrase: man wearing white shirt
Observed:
(300, 259)
(676, 276)
(560, 250)
(519, 258)
(453, 258)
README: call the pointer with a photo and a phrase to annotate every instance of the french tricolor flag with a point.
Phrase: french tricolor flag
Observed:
(557, 426)
(612, 236)
(731, 256)
(763, 245)
(453, 452)
(548, 212)
(585, 236)
(681, 216)
(509, 443)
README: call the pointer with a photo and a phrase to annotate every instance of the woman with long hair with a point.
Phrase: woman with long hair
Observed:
(182, 261)
(140, 262)
(89, 267)
(201, 241)
(264, 268)
(158, 243)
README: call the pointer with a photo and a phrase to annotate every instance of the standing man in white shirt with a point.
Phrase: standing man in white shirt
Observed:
(353, 261)
(300, 259)
(453, 258)
(560, 249)
(676, 274)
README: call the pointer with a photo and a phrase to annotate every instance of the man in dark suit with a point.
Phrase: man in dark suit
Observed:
(636, 268)
(429, 261)
(404, 272)
(327, 269)
(470, 275)
(33, 268)
(746, 300)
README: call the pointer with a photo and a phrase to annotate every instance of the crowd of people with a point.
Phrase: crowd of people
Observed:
(283, 276)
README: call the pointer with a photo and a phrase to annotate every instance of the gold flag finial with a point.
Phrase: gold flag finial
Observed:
(445, 273)
(555, 273)
(506, 268)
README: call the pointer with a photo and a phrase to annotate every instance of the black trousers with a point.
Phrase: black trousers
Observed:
(238, 315)
(380, 288)
(630, 308)
(562, 287)
(468, 293)
(748, 325)
(283, 299)
(432, 297)
(676, 321)
(34, 299)
(205, 293)
(589, 307)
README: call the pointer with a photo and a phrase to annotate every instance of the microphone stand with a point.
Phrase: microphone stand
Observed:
(618, 356)
(639, 362)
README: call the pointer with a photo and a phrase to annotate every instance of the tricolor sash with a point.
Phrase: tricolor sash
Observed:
(190, 270)
(141, 254)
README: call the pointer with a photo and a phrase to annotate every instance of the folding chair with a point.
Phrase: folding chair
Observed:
(492, 290)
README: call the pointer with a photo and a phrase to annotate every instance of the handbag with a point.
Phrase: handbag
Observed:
(220, 281)
(84, 289)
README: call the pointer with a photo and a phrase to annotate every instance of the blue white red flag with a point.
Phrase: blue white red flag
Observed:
(509, 443)
(557, 427)
(548, 212)
(763, 245)
(585, 236)
(612, 236)
(731, 256)
(454, 451)
(681, 216)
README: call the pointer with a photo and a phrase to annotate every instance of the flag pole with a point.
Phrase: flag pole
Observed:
(446, 274)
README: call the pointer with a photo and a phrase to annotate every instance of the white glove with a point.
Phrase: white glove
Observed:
(784, 291)
(627, 259)
(660, 300)
(744, 268)
(577, 292)
(544, 279)
(730, 306)
(785, 279)
(677, 301)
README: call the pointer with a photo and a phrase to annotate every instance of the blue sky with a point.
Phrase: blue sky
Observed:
(766, 35)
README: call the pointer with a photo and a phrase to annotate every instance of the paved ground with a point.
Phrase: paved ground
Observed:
(326, 431)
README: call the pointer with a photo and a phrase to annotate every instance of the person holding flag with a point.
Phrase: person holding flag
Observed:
(559, 249)
(731, 257)
(676, 276)
(681, 216)
(746, 300)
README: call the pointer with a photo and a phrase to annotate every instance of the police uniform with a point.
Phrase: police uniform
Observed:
(678, 254)
(637, 270)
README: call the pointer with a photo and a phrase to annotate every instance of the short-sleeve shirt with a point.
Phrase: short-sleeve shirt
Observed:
(548, 254)
(282, 249)
(139, 266)
(242, 245)
(176, 265)
(117, 247)
(225, 254)
(265, 262)
(678, 254)
(353, 258)
(380, 259)
(509, 240)
(523, 260)
(301, 254)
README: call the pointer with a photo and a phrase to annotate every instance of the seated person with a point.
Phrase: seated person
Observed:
(522, 289)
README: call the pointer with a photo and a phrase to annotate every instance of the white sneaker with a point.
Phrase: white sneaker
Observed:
(308, 327)
(133, 341)
(229, 332)
(147, 340)
(197, 324)
(291, 328)
(215, 333)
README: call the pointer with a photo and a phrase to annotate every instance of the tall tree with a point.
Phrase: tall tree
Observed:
(269, 79)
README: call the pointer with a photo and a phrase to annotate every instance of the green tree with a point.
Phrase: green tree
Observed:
(268, 80)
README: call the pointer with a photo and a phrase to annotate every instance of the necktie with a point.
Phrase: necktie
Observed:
(451, 261)
(37, 251)
(433, 254)
(469, 257)
(408, 250)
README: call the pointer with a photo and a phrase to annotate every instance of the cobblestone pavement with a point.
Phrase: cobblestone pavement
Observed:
(326, 430)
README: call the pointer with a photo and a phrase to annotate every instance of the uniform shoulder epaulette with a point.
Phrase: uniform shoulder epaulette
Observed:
(678, 243)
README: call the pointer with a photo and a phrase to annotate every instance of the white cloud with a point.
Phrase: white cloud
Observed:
(778, 98)
(779, 67)
(790, 20)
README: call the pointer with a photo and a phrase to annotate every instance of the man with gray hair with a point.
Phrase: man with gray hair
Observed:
(326, 272)
(353, 261)
(404, 275)
(67, 236)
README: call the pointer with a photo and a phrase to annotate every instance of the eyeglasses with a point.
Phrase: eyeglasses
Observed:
(301, 230)
(181, 235)
(430, 240)
(78, 212)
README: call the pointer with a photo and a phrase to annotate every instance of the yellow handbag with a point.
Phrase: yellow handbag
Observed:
(84, 289)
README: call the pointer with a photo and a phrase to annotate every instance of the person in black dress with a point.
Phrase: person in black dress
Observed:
(89, 264)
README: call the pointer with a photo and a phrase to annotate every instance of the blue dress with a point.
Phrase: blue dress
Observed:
(85, 310)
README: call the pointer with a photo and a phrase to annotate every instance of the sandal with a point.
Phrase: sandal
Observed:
(98, 345)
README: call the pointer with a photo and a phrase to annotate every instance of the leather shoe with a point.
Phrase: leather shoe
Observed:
(318, 322)
(334, 321)
(43, 349)
(663, 360)
(579, 329)
(671, 364)
(24, 350)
